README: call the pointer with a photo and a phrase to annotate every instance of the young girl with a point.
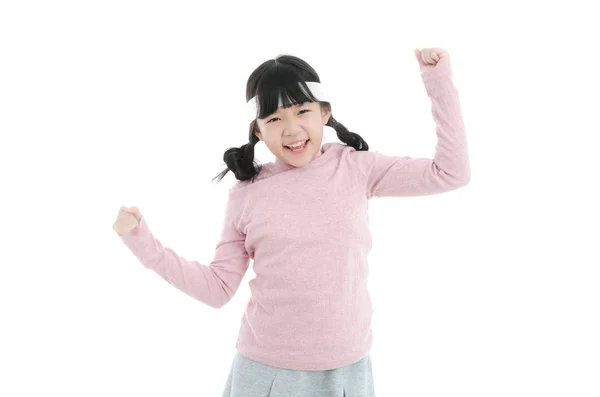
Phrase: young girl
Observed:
(303, 220)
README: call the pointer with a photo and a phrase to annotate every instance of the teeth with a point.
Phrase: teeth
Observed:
(297, 145)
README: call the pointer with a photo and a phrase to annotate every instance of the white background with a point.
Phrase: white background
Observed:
(491, 290)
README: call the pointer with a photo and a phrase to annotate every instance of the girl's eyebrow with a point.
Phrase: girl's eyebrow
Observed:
(285, 106)
(291, 106)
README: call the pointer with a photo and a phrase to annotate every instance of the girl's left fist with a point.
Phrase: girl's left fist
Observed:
(429, 58)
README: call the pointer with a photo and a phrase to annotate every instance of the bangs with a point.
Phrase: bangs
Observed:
(285, 85)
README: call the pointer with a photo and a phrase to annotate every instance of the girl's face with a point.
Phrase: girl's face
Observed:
(300, 123)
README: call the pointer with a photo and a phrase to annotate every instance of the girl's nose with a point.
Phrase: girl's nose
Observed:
(292, 125)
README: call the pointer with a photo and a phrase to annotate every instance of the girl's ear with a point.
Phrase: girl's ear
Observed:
(258, 134)
(325, 115)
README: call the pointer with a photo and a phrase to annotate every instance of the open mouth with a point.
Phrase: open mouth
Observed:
(298, 148)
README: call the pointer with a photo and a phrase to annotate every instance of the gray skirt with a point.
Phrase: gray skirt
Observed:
(249, 378)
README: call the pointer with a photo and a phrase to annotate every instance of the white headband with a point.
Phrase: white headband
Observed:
(315, 88)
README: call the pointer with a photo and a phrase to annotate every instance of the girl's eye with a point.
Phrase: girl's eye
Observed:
(275, 118)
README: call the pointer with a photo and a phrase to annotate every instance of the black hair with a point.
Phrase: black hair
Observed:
(274, 79)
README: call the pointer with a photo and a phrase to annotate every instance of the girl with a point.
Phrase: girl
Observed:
(303, 221)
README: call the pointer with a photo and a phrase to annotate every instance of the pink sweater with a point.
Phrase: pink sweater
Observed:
(307, 231)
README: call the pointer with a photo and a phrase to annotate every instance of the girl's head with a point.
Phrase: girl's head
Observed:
(288, 112)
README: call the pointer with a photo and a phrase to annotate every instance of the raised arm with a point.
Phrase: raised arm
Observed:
(396, 176)
(213, 284)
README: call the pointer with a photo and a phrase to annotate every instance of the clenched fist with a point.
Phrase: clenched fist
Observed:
(127, 220)
(429, 58)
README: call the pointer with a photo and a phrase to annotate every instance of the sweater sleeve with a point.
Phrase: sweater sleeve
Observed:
(396, 176)
(213, 284)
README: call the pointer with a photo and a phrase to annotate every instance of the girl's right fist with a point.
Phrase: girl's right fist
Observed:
(127, 220)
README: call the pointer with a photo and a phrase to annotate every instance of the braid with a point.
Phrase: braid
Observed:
(241, 162)
(349, 138)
